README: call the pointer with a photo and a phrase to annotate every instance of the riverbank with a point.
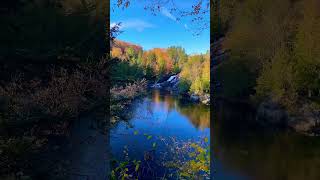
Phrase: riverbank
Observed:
(38, 108)
(122, 97)
(283, 79)
(305, 119)
(244, 149)
(171, 83)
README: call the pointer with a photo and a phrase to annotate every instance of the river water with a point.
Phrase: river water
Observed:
(157, 117)
(243, 150)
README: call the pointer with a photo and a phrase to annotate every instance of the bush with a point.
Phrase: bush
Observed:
(63, 96)
(184, 86)
(122, 72)
(197, 72)
(235, 77)
(122, 96)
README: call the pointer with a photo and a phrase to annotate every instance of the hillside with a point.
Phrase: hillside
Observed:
(157, 63)
(119, 48)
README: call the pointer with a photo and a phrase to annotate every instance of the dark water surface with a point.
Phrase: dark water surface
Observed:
(159, 115)
(243, 150)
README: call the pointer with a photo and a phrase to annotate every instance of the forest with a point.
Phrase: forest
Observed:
(52, 69)
(273, 54)
(134, 63)
(55, 70)
(160, 116)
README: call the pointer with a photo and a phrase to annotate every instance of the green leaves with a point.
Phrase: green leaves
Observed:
(206, 139)
(148, 136)
(137, 165)
(190, 160)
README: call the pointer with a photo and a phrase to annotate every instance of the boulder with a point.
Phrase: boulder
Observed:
(302, 124)
(205, 99)
(306, 120)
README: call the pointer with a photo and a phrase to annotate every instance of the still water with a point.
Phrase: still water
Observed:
(155, 120)
(243, 150)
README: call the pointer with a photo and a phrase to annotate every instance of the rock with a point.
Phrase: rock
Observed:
(194, 97)
(306, 120)
(157, 86)
(205, 99)
(302, 125)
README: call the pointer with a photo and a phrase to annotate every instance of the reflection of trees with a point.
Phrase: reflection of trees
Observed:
(198, 115)
(243, 148)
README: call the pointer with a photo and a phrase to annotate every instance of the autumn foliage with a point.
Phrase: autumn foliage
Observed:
(157, 59)
(158, 62)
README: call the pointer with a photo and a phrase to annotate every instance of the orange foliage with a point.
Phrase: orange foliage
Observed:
(162, 58)
(158, 58)
(118, 48)
(116, 52)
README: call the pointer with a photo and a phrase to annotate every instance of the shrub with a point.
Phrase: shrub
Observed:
(184, 85)
(64, 96)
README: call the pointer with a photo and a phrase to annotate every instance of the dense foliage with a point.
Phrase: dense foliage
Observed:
(49, 30)
(196, 73)
(52, 69)
(156, 63)
(276, 43)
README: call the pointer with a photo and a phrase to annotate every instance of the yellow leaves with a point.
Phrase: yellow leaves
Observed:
(163, 62)
(206, 139)
(116, 52)
(197, 71)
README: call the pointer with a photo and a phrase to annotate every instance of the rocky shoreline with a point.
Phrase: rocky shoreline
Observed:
(306, 120)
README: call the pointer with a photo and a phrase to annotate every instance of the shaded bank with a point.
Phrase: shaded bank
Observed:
(38, 107)
(245, 150)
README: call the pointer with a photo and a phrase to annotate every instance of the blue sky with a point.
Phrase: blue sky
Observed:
(139, 26)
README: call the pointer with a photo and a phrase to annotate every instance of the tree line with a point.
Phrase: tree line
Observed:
(274, 47)
(157, 63)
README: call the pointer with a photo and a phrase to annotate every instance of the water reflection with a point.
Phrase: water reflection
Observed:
(197, 114)
(245, 150)
(161, 117)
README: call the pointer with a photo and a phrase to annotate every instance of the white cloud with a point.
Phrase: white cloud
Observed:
(165, 12)
(137, 24)
(112, 25)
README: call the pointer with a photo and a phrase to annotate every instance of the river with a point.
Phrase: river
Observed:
(155, 120)
(243, 150)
